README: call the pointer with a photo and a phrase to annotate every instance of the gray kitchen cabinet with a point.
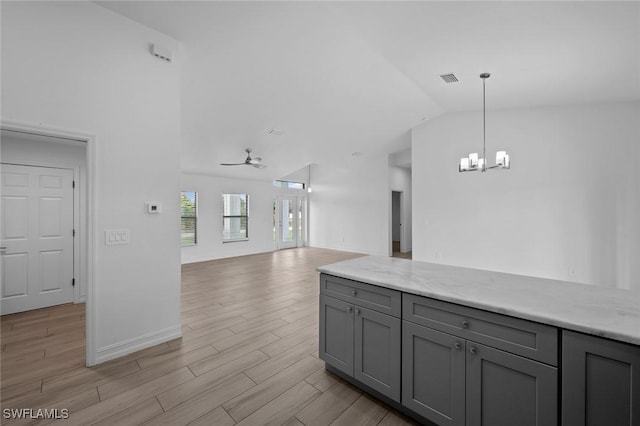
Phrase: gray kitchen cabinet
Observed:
(485, 348)
(357, 334)
(505, 389)
(452, 380)
(600, 381)
(336, 333)
(377, 351)
(433, 374)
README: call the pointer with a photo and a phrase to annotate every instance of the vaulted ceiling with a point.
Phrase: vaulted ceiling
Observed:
(345, 77)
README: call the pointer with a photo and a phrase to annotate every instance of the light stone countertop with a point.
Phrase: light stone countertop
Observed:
(599, 311)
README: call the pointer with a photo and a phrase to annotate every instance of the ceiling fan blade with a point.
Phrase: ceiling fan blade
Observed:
(255, 162)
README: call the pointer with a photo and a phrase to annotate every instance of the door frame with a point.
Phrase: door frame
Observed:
(278, 201)
(92, 232)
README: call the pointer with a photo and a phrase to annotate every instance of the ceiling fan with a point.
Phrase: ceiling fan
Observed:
(255, 162)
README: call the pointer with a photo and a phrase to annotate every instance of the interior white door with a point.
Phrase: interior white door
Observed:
(287, 222)
(37, 237)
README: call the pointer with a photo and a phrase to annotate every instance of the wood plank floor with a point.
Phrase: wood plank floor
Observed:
(248, 356)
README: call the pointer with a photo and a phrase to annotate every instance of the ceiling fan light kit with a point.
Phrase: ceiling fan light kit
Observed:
(472, 163)
(254, 162)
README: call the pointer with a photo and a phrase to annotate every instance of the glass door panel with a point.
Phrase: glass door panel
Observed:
(287, 224)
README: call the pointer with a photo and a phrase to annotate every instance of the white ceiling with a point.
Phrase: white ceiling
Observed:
(344, 77)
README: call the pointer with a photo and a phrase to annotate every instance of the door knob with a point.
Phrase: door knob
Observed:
(457, 345)
(473, 350)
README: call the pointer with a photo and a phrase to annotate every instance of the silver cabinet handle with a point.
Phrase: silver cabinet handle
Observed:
(350, 308)
(357, 311)
(457, 345)
(473, 350)
(465, 324)
(354, 292)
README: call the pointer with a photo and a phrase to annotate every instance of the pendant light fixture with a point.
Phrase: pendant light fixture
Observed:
(473, 163)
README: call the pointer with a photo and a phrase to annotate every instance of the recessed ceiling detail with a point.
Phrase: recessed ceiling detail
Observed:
(449, 78)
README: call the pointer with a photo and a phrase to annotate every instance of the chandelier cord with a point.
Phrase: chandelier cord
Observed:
(484, 126)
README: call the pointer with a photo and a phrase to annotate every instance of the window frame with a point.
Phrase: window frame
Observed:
(189, 217)
(245, 216)
(289, 184)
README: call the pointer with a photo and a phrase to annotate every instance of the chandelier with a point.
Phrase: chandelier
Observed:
(473, 163)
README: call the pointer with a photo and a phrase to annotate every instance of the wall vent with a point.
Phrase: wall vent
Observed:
(161, 52)
(449, 78)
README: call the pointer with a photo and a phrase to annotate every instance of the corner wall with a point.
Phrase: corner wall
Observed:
(79, 67)
(350, 205)
(566, 210)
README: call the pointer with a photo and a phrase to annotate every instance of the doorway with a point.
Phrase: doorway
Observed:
(37, 237)
(287, 221)
(49, 149)
(398, 231)
(396, 220)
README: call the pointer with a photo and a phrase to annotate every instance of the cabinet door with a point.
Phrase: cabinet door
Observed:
(600, 381)
(433, 374)
(377, 351)
(336, 333)
(505, 389)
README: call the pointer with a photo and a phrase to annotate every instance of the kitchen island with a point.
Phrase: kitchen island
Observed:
(461, 346)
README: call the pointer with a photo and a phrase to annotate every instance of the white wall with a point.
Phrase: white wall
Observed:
(79, 67)
(570, 202)
(400, 180)
(34, 150)
(210, 190)
(350, 205)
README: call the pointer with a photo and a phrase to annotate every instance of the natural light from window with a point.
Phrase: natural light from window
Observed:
(235, 217)
(189, 218)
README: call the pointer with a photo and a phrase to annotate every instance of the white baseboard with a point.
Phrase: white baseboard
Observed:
(350, 250)
(116, 350)
(207, 257)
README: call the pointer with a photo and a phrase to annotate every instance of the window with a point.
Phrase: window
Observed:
(288, 184)
(235, 217)
(189, 218)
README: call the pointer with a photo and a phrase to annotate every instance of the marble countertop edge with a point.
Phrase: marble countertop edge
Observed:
(598, 311)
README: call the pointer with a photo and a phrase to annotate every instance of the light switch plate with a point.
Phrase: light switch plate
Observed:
(116, 236)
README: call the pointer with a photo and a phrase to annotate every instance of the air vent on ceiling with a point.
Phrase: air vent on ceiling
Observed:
(449, 78)
(275, 132)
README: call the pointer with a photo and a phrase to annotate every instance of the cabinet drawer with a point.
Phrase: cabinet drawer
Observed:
(521, 337)
(366, 295)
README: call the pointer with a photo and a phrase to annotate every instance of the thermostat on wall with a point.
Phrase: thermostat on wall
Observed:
(153, 208)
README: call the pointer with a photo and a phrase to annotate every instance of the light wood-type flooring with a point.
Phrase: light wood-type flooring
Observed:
(397, 253)
(248, 356)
